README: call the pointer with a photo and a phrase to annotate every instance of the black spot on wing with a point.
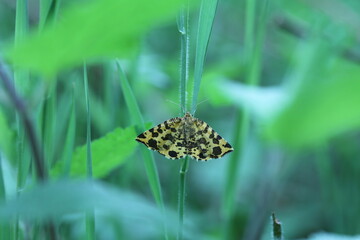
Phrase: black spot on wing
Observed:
(202, 141)
(202, 156)
(215, 141)
(173, 154)
(230, 150)
(141, 136)
(227, 145)
(168, 137)
(153, 143)
(217, 151)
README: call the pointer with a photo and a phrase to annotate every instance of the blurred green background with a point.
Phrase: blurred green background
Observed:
(280, 82)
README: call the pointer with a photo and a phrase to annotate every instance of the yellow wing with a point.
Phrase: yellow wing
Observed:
(206, 143)
(167, 138)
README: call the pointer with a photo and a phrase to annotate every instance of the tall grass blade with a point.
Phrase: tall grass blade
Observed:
(90, 218)
(206, 19)
(183, 26)
(150, 166)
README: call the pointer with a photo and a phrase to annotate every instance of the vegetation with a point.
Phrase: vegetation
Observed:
(277, 79)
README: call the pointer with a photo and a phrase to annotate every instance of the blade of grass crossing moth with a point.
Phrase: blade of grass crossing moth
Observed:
(90, 218)
(206, 20)
(150, 166)
(182, 193)
(253, 42)
(183, 27)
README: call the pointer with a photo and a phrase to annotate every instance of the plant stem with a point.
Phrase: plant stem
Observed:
(182, 190)
(29, 126)
(90, 218)
(183, 26)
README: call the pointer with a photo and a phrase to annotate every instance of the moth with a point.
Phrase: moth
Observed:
(181, 136)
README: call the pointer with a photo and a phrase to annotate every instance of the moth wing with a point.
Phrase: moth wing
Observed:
(165, 138)
(207, 143)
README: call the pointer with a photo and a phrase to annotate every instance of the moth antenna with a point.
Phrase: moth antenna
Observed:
(182, 109)
(193, 113)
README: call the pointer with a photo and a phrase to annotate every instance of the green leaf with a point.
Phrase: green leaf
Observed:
(98, 29)
(332, 236)
(108, 153)
(55, 199)
(316, 111)
(320, 109)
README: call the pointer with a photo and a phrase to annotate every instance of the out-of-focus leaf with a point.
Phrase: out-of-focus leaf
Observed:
(102, 28)
(55, 199)
(108, 153)
(321, 108)
(263, 102)
(332, 236)
(316, 111)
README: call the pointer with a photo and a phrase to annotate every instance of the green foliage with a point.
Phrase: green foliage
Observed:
(83, 32)
(277, 79)
(317, 110)
(108, 152)
(321, 109)
(55, 199)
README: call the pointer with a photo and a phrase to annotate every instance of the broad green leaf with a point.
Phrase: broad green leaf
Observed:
(89, 31)
(317, 111)
(321, 109)
(108, 153)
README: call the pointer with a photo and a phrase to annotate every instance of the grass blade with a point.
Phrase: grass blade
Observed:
(206, 19)
(90, 218)
(150, 166)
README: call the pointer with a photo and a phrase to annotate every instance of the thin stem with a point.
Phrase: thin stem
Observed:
(29, 126)
(90, 218)
(38, 157)
(183, 26)
(182, 190)
(88, 126)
